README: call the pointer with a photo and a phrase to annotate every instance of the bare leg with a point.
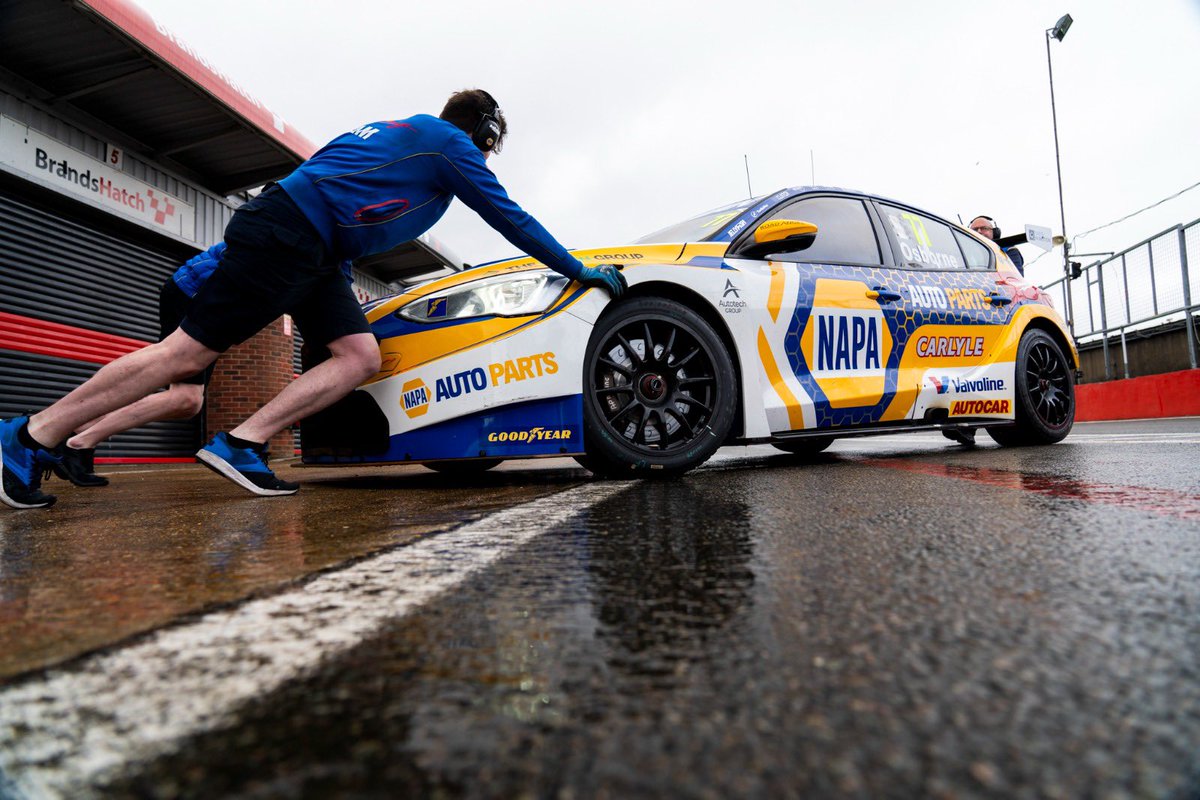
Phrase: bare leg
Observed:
(119, 383)
(181, 401)
(355, 358)
(87, 425)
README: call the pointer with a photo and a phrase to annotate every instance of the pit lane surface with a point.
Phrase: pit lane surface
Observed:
(898, 617)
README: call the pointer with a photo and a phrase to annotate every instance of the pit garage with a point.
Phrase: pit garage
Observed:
(124, 152)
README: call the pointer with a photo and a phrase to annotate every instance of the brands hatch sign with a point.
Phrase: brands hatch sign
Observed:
(65, 169)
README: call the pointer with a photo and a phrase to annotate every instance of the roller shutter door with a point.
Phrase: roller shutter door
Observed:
(73, 296)
(297, 368)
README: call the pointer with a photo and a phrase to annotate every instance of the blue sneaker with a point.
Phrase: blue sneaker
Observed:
(244, 466)
(23, 469)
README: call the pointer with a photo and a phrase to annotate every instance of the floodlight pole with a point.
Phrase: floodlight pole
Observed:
(1061, 208)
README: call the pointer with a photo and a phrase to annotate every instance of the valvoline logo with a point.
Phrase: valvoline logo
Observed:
(414, 398)
(942, 384)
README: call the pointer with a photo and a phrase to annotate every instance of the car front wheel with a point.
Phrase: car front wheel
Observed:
(1045, 394)
(659, 391)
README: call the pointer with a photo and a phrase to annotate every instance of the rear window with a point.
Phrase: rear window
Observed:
(976, 253)
(922, 242)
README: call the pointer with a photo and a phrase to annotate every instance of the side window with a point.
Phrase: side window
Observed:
(844, 231)
(977, 255)
(922, 242)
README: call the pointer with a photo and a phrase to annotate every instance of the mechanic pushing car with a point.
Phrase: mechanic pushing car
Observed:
(183, 398)
(367, 191)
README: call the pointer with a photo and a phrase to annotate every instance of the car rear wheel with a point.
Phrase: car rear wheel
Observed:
(1045, 394)
(804, 447)
(659, 391)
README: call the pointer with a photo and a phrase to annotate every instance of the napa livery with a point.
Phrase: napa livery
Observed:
(793, 319)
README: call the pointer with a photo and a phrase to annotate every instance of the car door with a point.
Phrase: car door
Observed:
(957, 313)
(829, 340)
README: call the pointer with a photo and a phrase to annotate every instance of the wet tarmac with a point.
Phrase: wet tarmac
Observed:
(159, 543)
(899, 617)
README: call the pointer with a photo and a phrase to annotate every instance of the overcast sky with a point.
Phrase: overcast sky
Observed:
(627, 116)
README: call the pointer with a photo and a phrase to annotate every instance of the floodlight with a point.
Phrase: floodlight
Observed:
(1061, 27)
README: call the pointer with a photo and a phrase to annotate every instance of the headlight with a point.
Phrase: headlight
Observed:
(499, 296)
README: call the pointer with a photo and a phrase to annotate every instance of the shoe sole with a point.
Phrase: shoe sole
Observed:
(227, 470)
(62, 473)
(8, 501)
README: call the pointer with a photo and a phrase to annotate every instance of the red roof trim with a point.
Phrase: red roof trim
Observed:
(142, 28)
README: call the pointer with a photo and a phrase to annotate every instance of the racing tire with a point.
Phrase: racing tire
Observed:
(659, 391)
(464, 468)
(805, 447)
(1044, 396)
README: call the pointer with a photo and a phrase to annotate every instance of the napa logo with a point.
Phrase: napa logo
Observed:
(846, 343)
(414, 398)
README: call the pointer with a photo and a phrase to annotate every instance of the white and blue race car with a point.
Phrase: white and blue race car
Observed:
(791, 319)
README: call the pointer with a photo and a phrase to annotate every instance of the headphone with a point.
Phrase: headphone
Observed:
(487, 131)
(995, 227)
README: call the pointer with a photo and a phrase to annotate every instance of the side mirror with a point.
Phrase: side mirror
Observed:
(779, 236)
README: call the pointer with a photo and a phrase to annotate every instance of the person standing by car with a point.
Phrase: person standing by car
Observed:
(987, 228)
(365, 192)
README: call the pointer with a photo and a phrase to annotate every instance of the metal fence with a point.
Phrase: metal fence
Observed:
(1146, 286)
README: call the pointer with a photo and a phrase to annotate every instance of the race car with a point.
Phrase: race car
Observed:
(791, 319)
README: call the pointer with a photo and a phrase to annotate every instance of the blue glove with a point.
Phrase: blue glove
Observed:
(606, 277)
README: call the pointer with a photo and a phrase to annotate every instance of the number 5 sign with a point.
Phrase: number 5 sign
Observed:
(114, 156)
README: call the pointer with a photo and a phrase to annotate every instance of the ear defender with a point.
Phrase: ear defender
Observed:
(995, 227)
(487, 130)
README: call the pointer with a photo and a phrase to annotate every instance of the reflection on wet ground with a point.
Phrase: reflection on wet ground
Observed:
(105, 564)
(895, 618)
(763, 629)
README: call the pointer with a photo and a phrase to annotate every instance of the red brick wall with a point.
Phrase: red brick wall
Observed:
(245, 378)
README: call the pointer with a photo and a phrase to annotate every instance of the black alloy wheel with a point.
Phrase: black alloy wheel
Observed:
(659, 391)
(1045, 394)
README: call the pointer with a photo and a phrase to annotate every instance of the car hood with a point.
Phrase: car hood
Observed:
(623, 256)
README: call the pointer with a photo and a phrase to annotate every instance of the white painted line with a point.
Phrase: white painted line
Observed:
(1136, 419)
(68, 733)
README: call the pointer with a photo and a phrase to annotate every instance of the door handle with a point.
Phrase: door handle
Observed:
(997, 299)
(883, 294)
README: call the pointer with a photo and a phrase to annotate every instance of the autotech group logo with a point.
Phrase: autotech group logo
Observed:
(734, 306)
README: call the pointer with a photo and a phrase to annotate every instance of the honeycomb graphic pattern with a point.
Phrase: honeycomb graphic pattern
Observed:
(902, 318)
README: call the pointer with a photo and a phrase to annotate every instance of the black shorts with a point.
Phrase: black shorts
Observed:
(173, 306)
(274, 264)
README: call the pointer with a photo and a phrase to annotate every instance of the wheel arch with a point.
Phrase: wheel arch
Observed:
(1055, 333)
(697, 302)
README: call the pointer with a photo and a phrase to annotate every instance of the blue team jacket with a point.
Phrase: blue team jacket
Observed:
(386, 183)
(195, 271)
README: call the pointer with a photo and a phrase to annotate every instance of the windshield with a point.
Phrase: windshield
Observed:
(699, 228)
